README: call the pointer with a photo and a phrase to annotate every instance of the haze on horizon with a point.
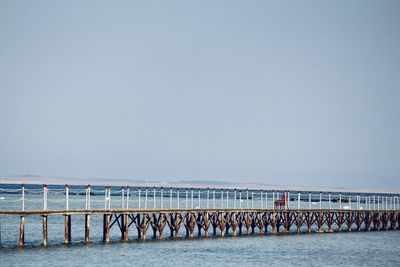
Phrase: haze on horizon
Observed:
(275, 92)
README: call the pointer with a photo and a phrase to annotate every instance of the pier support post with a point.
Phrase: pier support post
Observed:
(87, 228)
(21, 231)
(44, 224)
(106, 228)
(126, 227)
(67, 227)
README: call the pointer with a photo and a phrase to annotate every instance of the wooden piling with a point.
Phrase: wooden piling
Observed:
(67, 229)
(21, 241)
(106, 228)
(44, 224)
(126, 227)
(87, 228)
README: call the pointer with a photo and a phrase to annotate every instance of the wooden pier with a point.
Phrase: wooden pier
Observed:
(205, 222)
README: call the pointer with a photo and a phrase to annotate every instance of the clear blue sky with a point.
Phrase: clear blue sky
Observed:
(282, 92)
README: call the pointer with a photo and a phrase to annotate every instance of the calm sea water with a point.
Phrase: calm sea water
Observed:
(337, 249)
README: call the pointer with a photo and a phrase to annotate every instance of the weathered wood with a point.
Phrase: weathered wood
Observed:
(67, 229)
(87, 228)
(106, 228)
(44, 224)
(21, 241)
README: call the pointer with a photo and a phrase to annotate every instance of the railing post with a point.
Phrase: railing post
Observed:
(340, 200)
(66, 197)
(145, 197)
(23, 197)
(298, 200)
(86, 197)
(378, 202)
(234, 199)
(386, 202)
(191, 197)
(122, 197)
(261, 199)
(208, 197)
(222, 198)
(139, 193)
(373, 202)
(273, 199)
(240, 199)
(154, 197)
(177, 198)
(320, 200)
(227, 199)
(309, 200)
(127, 197)
(187, 198)
(45, 197)
(109, 197)
(247, 198)
(89, 196)
(199, 196)
(170, 198)
(252, 199)
(330, 202)
(214, 198)
(162, 197)
(350, 201)
(266, 199)
(105, 197)
(287, 197)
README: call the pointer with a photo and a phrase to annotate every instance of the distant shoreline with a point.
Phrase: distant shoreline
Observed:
(35, 179)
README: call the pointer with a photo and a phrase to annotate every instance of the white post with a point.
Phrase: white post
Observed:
(199, 199)
(340, 200)
(177, 198)
(227, 199)
(234, 197)
(139, 193)
(247, 198)
(122, 197)
(109, 197)
(330, 203)
(373, 201)
(105, 197)
(298, 200)
(191, 191)
(145, 198)
(88, 196)
(44, 197)
(378, 203)
(187, 196)
(266, 199)
(127, 197)
(240, 199)
(170, 198)
(273, 200)
(386, 202)
(222, 199)
(162, 197)
(252, 199)
(287, 204)
(350, 201)
(320, 200)
(213, 198)
(261, 199)
(66, 197)
(309, 200)
(208, 198)
(154, 197)
(23, 198)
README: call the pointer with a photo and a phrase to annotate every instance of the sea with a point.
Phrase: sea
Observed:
(375, 248)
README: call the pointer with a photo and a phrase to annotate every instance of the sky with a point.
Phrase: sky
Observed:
(276, 92)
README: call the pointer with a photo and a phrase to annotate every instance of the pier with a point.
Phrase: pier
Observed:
(159, 213)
